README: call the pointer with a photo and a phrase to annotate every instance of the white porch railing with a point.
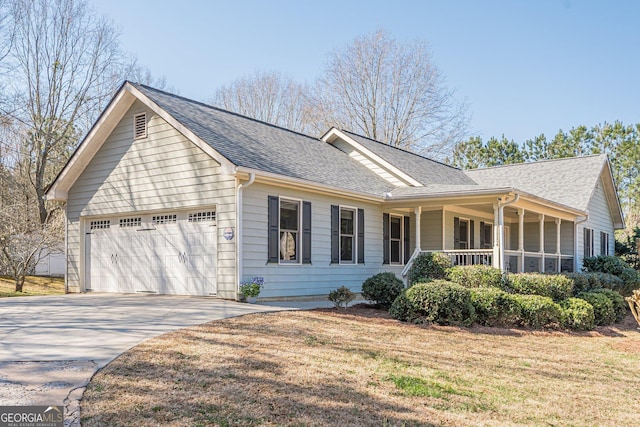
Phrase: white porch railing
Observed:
(458, 257)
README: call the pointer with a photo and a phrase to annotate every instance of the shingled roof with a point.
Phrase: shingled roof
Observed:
(569, 181)
(261, 146)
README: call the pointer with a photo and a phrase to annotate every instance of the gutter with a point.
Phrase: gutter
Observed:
(239, 266)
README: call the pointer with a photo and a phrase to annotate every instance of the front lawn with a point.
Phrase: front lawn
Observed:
(358, 367)
(33, 285)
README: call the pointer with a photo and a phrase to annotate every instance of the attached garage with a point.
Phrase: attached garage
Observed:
(163, 253)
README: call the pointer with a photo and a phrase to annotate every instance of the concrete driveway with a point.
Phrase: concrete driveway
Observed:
(51, 346)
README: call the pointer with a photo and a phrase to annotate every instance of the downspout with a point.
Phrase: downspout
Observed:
(239, 207)
(575, 241)
(501, 206)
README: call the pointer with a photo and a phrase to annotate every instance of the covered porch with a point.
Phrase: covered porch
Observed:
(506, 231)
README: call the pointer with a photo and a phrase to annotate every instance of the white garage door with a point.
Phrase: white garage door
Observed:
(168, 253)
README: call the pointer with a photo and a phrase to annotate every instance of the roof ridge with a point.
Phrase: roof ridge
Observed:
(222, 110)
(401, 149)
(536, 162)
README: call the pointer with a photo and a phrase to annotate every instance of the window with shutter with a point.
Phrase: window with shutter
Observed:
(588, 242)
(604, 243)
(289, 231)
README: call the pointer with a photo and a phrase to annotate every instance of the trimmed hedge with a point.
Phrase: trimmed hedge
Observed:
(476, 276)
(382, 288)
(555, 286)
(432, 265)
(603, 311)
(538, 311)
(604, 264)
(629, 278)
(439, 301)
(619, 304)
(494, 306)
(577, 314)
(580, 281)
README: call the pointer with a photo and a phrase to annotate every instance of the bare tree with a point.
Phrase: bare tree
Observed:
(267, 96)
(391, 92)
(65, 63)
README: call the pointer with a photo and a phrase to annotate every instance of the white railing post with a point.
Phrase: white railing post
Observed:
(541, 218)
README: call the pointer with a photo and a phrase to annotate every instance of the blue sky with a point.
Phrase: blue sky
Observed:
(524, 67)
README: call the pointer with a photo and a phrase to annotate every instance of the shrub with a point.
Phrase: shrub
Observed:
(537, 311)
(580, 282)
(341, 296)
(594, 280)
(631, 279)
(383, 288)
(604, 264)
(441, 302)
(476, 276)
(555, 286)
(401, 308)
(577, 314)
(619, 304)
(609, 281)
(432, 265)
(494, 306)
(603, 311)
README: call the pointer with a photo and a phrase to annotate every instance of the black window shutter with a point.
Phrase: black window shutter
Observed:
(471, 235)
(335, 234)
(360, 236)
(386, 243)
(273, 219)
(586, 244)
(407, 237)
(482, 236)
(456, 233)
(306, 232)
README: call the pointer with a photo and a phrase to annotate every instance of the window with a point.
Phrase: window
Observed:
(588, 242)
(289, 233)
(100, 224)
(395, 239)
(289, 230)
(130, 222)
(486, 235)
(347, 236)
(604, 243)
(140, 126)
(208, 216)
(164, 219)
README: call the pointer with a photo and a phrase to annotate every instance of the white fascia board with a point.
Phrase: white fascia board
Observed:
(403, 176)
(226, 165)
(90, 145)
(611, 192)
(277, 179)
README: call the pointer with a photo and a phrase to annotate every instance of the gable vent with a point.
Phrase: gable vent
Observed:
(140, 126)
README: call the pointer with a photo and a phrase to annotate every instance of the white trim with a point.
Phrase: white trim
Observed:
(468, 241)
(334, 133)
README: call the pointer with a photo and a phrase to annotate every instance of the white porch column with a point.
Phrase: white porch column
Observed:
(418, 215)
(496, 237)
(501, 237)
(444, 230)
(541, 218)
(559, 266)
(521, 239)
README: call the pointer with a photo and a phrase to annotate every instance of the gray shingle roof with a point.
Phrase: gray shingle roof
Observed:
(257, 145)
(422, 169)
(570, 181)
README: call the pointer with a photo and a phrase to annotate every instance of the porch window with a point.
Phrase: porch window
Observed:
(604, 243)
(588, 242)
(289, 234)
(486, 235)
(463, 233)
(396, 231)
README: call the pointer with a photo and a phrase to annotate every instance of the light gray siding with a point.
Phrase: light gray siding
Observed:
(162, 172)
(319, 277)
(450, 214)
(600, 219)
(431, 230)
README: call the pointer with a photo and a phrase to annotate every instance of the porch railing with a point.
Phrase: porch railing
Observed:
(458, 257)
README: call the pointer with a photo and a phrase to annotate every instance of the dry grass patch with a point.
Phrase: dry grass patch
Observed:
(357, 367)
(33, 285)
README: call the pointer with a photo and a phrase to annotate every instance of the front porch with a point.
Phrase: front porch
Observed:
(506, 232)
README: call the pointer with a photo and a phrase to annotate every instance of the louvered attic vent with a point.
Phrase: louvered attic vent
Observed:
(140, 126)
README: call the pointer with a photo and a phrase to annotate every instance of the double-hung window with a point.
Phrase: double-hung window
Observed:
(395, 239)
(347, 236)
(588, 242)
(463, 233)
(604, 243)
(289, 234)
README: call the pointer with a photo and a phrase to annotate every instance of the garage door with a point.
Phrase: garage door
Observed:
(167, 253)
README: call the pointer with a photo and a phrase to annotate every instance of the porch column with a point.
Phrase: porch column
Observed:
(521, 240)
(541, 218)
(444, 231)
(558, 223)
(496, 237)
(418, 215)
